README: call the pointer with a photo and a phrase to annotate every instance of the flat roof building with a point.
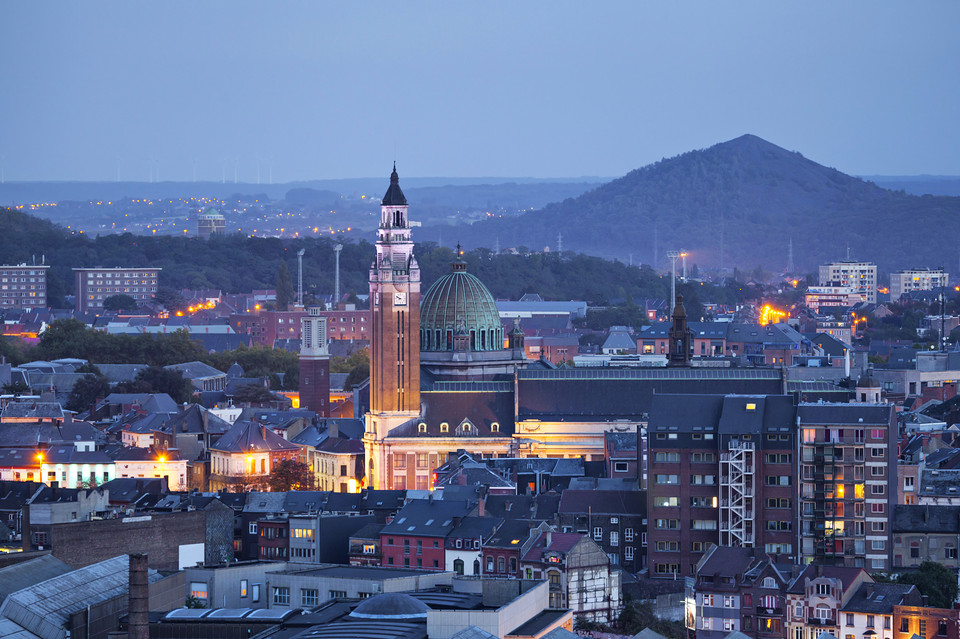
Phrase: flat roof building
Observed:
(94, 285)
(23, 286)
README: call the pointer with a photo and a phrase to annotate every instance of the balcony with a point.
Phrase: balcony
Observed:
(817, 621)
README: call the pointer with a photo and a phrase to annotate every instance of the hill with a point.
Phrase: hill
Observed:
(749, 197)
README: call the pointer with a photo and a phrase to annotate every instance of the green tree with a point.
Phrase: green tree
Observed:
(156, 379)
(120, 303)
(86, 391)
(169, 298)
(285, 294)
(934, 580)
(253, 394)
(289, 474)
(16, 388)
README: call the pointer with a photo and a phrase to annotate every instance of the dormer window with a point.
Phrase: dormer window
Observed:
(444, 427)
(495, 427)
(422, 427)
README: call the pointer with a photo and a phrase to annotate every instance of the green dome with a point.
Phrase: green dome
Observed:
(459, 304)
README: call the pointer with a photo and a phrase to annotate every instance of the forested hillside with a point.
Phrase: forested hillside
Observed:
(750, 197)
(236, 263)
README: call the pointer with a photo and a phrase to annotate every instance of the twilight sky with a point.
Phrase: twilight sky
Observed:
(469, 89)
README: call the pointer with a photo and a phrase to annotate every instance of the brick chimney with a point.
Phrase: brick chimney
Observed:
(139, 598)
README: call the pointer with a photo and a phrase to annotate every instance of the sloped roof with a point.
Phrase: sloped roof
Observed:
(559, 542)
(427, 518)
(246, 436)
(604, 502)
(195, 419)
(32, 410)
(45, 608)
(27, 573)
(878, 598)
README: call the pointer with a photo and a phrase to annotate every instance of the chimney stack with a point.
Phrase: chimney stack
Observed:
(139, 598)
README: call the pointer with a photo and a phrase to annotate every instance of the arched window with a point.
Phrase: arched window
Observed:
(476, 566)
(458, 566)
(421, 427)
(769, 582)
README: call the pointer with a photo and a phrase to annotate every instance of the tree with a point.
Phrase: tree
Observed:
(86, 391)
(156, 379)
(169, 298)
(934, 580)
(120, 303)
(15, 388)
(285, 294)
(289, 474)
(253, 394)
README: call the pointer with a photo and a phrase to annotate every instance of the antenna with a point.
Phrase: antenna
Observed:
(336, 275)
(790, 256)
(270, 170)
(496, 246)
(848, 252)
(300, 277)
(236, 169)
(722, 225)
(656, 244)
(559, 243)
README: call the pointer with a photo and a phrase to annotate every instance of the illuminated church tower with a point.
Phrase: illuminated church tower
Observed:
(395, 333)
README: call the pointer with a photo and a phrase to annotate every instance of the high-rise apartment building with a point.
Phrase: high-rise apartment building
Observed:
(722, 470)
(917, 279)
(23, 286)
(97, 284)
(860, 275)
(848, 464)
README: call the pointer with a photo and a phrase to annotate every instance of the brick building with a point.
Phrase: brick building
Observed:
(415, 537)
(97, 284)
(721, 471)
(266, 327)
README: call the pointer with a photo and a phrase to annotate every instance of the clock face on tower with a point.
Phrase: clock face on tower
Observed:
(399, 299)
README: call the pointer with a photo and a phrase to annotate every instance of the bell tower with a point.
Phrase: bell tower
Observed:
(395, 331)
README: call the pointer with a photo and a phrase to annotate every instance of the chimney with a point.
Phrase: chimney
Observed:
(263, 432)
(547, 538)
(333, 430)
(481, 507)
(924, 601)
(139, 598)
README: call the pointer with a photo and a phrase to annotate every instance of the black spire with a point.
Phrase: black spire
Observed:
(394, 196)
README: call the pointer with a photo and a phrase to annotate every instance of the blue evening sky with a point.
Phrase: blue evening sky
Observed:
(469, 89)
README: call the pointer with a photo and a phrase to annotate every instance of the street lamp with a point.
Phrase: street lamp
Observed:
(673, 255)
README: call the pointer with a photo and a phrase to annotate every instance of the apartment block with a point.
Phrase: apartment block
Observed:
(94, 285)
(722, 471)
(860, 275)
(23, 286)
(917, 279)
(848, 483)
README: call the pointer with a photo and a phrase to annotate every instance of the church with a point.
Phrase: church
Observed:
(444, 376)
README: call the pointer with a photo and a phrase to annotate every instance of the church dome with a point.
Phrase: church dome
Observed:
(459, 304)
(391, 605)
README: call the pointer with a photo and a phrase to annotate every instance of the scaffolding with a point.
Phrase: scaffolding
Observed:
(737, 507)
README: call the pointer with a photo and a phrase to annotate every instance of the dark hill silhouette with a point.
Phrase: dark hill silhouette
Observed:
(757, 196)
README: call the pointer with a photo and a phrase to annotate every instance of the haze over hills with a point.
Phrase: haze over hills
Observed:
(749, 197)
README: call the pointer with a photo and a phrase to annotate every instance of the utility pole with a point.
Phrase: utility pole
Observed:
(673, 255)
(300, 277)
(336, 275)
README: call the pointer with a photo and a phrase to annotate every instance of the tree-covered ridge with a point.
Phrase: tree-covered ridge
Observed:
(240, 264)
(753, 194)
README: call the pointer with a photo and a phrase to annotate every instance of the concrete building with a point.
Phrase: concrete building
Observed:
(23, 286)
(848, 461)
(579, 574)
(918, 279)
(210, 222)
(97, 284)
(862, 276)
(818, 297)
